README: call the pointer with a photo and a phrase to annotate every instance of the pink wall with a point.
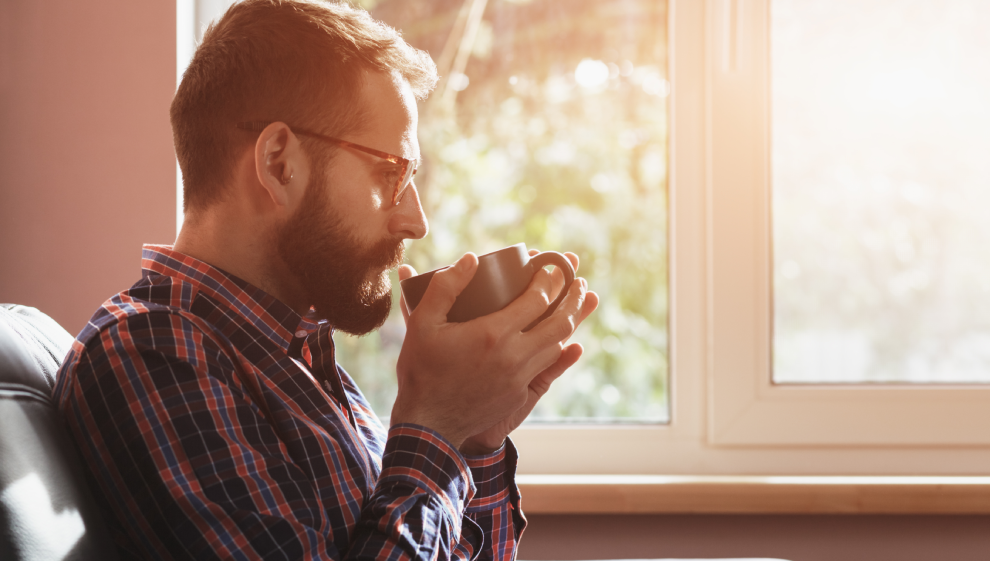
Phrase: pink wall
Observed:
(87, 170)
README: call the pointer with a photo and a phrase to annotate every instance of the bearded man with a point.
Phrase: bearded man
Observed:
(206, 400)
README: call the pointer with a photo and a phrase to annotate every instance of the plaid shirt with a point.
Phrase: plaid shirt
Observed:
(216, 424)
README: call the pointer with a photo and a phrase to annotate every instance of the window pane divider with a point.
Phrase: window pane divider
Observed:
(745, 408)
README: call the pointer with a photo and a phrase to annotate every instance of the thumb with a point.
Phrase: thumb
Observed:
(405, 272)
(444, 288)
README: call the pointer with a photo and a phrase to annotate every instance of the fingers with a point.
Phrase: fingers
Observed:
(528, 306)
(540, 382)
(591, 301)
(574, 259)
(444, 288)
(568, 358)
(405, 272)
(565, 319)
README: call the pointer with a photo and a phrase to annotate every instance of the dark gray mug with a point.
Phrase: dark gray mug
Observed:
(501, 277)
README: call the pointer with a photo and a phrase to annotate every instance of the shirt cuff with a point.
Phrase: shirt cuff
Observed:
(421, 457)
(494, 478)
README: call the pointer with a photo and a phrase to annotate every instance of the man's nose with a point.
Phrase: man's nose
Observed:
(408, 219)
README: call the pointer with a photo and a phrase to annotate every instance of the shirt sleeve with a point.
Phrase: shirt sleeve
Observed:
(495, 506)
(419, 466)
(191, 469)
(492, 521)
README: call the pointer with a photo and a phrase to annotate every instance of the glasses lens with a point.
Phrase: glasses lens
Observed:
(404, 181)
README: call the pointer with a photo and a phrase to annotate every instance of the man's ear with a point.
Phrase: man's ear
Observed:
(279, 162)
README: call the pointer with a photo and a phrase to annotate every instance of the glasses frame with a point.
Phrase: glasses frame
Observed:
(409, 167)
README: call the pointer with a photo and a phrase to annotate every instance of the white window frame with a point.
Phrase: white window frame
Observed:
(191, 17)
(727, 417)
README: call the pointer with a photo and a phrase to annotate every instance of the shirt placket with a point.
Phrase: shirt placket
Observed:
(324, 368)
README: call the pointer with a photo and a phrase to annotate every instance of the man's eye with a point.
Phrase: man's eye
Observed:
(391, 176)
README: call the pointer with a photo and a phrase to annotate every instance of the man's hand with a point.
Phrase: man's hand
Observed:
(475, 382)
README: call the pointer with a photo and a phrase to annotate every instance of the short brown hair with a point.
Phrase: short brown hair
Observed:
(296, 61)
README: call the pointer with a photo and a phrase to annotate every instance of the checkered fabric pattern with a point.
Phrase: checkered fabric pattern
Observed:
(216, 424)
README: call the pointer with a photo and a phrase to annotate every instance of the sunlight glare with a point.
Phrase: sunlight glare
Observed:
(56, 533)
(591, 73)
(880, 174)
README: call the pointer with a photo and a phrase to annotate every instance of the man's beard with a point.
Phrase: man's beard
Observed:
(347, 284)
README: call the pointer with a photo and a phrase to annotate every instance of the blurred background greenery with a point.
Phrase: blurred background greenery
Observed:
(549, 127)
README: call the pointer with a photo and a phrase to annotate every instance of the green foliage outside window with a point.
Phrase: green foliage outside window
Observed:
(554, 133)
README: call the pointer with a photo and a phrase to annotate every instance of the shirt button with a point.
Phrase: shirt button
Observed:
(301, 333)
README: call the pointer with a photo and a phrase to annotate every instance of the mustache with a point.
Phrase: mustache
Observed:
(387, 254)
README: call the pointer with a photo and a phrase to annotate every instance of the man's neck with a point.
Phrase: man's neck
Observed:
(242, 248)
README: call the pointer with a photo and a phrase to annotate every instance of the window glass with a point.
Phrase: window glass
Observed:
(549, 127)
(881, 190)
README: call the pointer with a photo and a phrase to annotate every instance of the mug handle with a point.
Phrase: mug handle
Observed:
(558, 260)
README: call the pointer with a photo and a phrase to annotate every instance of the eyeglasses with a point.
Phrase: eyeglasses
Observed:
(404, 172)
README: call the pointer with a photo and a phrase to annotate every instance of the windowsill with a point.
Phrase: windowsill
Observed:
(723, 494)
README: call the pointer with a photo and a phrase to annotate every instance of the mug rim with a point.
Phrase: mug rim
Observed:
(480, 257)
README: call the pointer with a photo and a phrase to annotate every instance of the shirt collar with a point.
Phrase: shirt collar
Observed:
(262, 310)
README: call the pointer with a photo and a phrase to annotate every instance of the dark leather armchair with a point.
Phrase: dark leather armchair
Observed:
(46, 510)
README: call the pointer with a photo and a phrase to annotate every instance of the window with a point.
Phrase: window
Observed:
(879, 192)
(748, 408)
(736, 405)
(727, 414)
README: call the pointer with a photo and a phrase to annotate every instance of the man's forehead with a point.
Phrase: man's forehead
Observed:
(390, 111)
(382, 92)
